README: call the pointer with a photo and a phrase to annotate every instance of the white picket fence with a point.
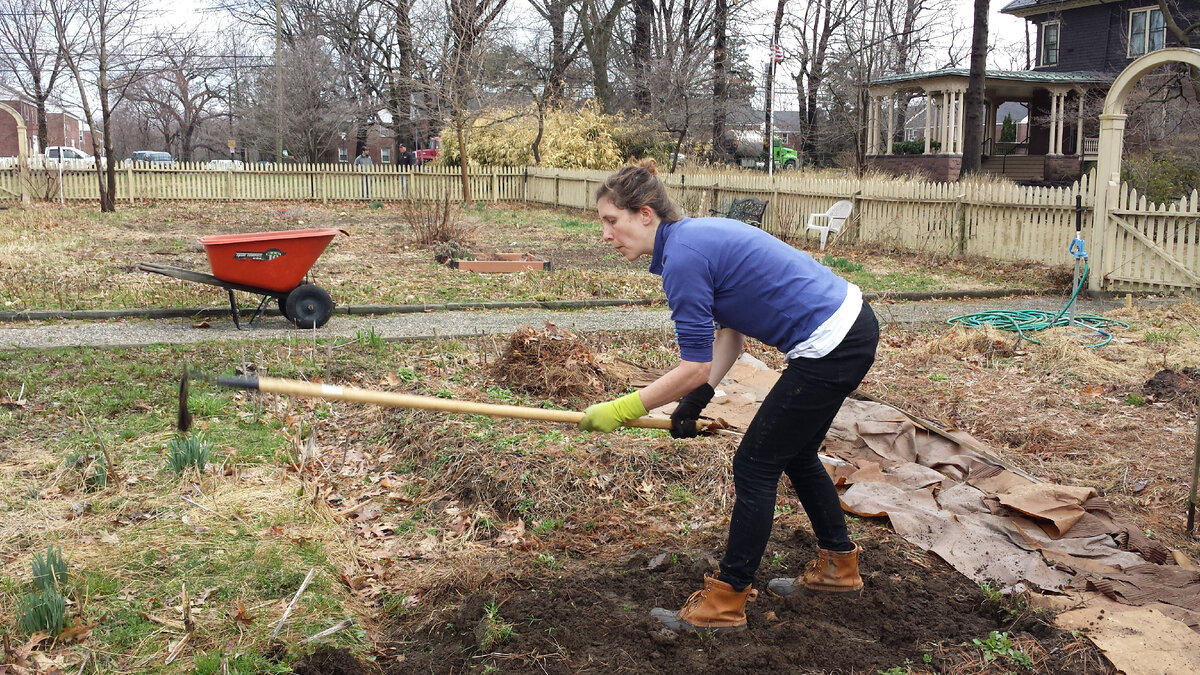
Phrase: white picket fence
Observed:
(987, 218)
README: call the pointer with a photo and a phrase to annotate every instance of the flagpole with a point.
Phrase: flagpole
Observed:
(771, 113)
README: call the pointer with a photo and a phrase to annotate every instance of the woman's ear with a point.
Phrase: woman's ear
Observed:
(647, 214)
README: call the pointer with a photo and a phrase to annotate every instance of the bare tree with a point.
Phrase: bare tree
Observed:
(565, 45)
(25, 32)
(814, 29)
(597, 21)
(466, 41)
(100, 45)
(316, 108)
(973, 114)
(182, 93)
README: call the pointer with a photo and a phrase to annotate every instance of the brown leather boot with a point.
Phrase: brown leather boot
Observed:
(831, 571)
(715, 608)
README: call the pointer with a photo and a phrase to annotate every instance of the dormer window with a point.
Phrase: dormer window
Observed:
(1146, 30)
(1050, 43)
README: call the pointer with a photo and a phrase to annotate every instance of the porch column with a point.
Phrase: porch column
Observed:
(891, 126)
(1062, 121)
(944, 121)
(874, 131)
(1079, 124)
(961, 120)
(1053, 143)
(872, 121)
(928, 112)
(993, 109)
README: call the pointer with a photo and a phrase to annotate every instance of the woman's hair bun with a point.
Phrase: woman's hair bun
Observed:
(650, 165)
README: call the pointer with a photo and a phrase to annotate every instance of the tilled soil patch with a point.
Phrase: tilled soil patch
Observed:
(914, 610)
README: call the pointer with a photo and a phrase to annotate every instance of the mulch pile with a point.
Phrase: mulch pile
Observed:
(552, 363)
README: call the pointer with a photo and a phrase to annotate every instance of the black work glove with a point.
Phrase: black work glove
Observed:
(683, 420)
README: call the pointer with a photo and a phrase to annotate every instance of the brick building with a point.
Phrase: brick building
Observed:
(62, 127)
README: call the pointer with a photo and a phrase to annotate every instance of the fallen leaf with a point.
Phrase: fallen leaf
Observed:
(241, 616)
(75, 634)
(201, 324)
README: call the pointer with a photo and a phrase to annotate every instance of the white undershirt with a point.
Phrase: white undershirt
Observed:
(830, 334)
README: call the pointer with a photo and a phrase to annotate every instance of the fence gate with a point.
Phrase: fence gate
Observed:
(1140, 246)
(1149, 247)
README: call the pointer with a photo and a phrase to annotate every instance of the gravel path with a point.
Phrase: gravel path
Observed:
(140, 332)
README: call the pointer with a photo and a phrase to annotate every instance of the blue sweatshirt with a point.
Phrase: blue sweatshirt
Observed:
(717, 269)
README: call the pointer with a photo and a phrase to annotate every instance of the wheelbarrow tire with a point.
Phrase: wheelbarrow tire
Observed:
(308, 306)
(282, 299)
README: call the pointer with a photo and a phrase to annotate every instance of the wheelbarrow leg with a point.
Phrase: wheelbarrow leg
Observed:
(259, 312)
(234, 309)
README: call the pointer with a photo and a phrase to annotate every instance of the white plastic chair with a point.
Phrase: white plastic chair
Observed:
(830, 221)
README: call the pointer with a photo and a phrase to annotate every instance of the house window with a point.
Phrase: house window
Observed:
(1050, 43)
(343, 155)
(1146, 30)
(385, 155)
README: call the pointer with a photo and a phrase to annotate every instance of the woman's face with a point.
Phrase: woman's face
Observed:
(630, 232)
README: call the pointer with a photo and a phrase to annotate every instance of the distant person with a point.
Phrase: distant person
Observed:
(406, 157)
(364, 161)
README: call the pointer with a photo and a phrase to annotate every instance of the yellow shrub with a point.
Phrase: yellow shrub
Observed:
(571, 139)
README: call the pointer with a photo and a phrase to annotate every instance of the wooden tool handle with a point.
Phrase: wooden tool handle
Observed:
(277, 385)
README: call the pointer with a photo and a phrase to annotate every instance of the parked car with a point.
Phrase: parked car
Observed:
(67, 157)
(225, 165)
(150, 157)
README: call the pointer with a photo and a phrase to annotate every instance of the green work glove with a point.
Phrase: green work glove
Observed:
(610, 414)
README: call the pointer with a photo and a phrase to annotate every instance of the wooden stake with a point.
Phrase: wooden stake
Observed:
(292, 604)
(1191, 516)
(329, 631)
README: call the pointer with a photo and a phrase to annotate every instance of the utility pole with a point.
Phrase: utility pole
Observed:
(278, 82)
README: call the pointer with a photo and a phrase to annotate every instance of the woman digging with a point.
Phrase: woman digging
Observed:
(742, 280)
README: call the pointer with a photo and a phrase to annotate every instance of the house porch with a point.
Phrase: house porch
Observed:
(1055, 150)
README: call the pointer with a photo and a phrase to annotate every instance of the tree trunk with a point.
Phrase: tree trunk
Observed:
(973, 115)
(462, 158)
(643, 17)
(768, 136)
(720, 76)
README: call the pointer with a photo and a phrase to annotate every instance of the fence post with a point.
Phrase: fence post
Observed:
(960, 226)
(129, 182)
(557, 199)
(525, 186)
(229, 183)
(495, 186)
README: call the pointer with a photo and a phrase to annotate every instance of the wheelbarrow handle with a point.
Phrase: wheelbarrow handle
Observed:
(277, 385)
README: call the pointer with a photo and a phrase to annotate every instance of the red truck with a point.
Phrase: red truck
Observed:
(427, 155)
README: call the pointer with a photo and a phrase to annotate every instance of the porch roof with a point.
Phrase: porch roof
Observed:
(1001, 85)
(1034, 77)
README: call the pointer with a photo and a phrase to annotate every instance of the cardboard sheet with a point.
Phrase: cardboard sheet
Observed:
(1138, 641)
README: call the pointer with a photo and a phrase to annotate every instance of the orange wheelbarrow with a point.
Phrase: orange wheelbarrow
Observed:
(270, 264)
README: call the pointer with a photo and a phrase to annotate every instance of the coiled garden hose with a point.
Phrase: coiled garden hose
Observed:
(1022, 321)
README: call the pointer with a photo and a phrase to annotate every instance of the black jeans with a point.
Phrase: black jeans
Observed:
(784, 437)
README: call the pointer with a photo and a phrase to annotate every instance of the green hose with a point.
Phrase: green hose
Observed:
(1031, 320)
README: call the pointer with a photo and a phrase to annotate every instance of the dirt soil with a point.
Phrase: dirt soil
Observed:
(595, 619)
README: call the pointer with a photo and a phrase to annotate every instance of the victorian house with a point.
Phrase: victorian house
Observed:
(1081, 46)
